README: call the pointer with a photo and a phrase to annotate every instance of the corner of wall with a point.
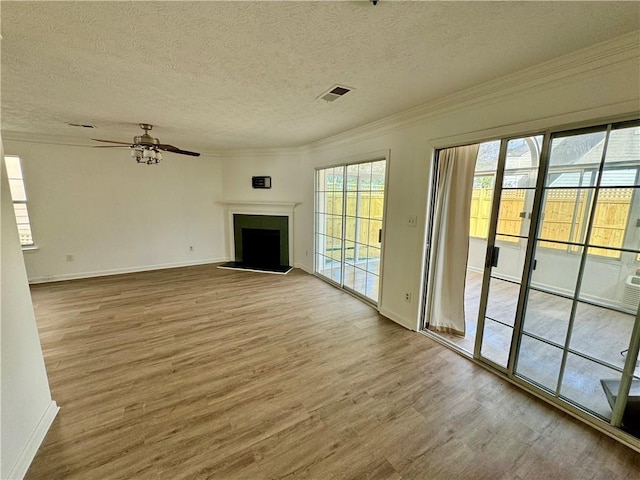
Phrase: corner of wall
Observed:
(22, 464)
(27, 407)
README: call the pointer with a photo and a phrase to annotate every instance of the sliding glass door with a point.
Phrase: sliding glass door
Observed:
(349, 214)
(554, 267)
(582, 299)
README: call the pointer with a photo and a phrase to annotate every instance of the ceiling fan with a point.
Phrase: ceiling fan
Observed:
(145, 148)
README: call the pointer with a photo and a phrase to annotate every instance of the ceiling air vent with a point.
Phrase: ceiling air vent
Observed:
(335, 92)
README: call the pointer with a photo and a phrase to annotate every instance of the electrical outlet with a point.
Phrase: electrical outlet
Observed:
(411, 221)
(191, 248)
(407, 297)
(69, 257)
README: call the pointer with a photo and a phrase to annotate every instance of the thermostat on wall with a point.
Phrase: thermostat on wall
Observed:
(261, 182)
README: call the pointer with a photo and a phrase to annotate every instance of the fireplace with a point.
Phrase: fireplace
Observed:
(260, 247)
(261, 242)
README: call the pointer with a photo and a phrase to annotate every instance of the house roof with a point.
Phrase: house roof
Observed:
(623, 150)
(623, 147)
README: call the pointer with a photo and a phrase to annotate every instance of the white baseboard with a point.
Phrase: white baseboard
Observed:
(303, 267)
(395, 317)
(120, 271)
(19, 469)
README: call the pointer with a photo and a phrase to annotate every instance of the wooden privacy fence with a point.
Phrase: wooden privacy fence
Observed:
(364, 211)
(509, 220)
(565, 214)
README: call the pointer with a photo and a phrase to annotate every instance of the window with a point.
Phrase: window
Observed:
(517, 177)
(481, 205)
(19, 197)
(574, 179)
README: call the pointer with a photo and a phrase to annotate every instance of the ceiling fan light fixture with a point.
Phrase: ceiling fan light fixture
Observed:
(145, 148)
(146, 154)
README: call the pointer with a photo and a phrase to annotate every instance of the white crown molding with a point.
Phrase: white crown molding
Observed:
(260, 152)
(589, 61)
(564, 121)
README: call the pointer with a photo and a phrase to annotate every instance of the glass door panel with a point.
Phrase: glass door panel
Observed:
(547, 317)
(601, 333)
(349, 274)
(329, 223)
(364, 216)
(582, 384)
(539, 362)
(502, 302)
(349, 213)
(516, 174)
(496, 341)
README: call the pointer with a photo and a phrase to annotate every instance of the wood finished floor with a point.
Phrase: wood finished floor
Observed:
(198, 373)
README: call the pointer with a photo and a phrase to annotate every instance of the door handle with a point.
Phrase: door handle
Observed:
(491, 260)
(494, 256)
(380, 236)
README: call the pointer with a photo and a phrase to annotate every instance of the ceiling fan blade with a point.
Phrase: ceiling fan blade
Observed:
(172, 149)
(111, 141)
(111, 146)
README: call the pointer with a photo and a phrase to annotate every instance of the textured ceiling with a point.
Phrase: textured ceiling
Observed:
(224, 75)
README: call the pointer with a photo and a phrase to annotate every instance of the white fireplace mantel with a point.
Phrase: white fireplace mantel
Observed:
(238, 207)
(261, 208)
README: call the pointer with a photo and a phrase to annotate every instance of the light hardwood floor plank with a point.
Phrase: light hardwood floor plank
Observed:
(200, 373)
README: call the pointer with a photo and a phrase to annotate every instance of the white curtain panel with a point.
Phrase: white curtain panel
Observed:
(450, 244)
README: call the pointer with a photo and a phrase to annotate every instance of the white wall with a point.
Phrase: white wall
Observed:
(27, 409)
(114, 215)
(283, 166)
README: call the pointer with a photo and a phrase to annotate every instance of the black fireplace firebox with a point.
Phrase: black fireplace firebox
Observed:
(261, 247)
(261, 243)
